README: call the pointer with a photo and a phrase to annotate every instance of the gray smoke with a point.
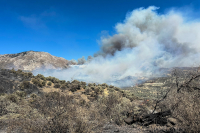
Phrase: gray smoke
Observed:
(143, 43)
(89, 59)
(72, 62)
(81, 61)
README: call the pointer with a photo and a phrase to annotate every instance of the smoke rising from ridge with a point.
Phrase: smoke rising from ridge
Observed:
(143, 43)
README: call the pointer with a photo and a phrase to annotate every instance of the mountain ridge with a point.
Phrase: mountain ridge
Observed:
(32, 60)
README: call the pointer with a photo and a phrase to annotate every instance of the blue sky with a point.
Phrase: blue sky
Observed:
(70, 28)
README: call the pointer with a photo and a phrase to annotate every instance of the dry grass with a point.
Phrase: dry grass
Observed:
(58, 112)
(85, 109)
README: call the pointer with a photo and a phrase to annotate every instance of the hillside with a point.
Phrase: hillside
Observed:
(40, 104)
(31, 60)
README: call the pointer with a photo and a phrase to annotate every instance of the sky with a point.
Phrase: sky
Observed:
(71, 28)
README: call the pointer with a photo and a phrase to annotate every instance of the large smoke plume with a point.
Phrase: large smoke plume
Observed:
(143, 43)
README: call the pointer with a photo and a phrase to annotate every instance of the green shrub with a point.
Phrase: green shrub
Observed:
(75, 87)
(35, 81)
(30, 75)
(43, 83)
(48, 78)
(33, 95)
(52, 79)
(40, 76)
(103, 87)
(62, 81)
(19, 71)
(24, 85)
(57, 85)
(63, 87)
(117, 89)
(97, 90)
(13, 98)
(75, 82)
(92, 87)
(13, 70)
(111, 86)
(111, 89)
(2, 94)
(130, 95)
(21, 94)
(89, 84)
(83, 83)
(104, 84)
(88, 90)
(38, 82)
(49, 83)
(100, 89)
(53, 95)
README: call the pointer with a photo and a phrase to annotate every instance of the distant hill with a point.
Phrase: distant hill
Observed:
(31, 60)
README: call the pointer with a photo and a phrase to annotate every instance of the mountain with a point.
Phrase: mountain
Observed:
(31, 60)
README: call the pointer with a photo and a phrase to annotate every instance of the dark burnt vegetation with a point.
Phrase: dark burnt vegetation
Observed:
(183, 99)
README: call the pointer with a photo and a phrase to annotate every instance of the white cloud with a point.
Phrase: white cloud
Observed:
(33, 22)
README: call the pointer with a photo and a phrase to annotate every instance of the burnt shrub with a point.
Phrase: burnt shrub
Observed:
(183, 99)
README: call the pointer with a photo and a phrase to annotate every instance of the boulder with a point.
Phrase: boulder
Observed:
(172, 121)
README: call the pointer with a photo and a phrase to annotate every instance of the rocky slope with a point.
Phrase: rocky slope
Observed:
(31, 60)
